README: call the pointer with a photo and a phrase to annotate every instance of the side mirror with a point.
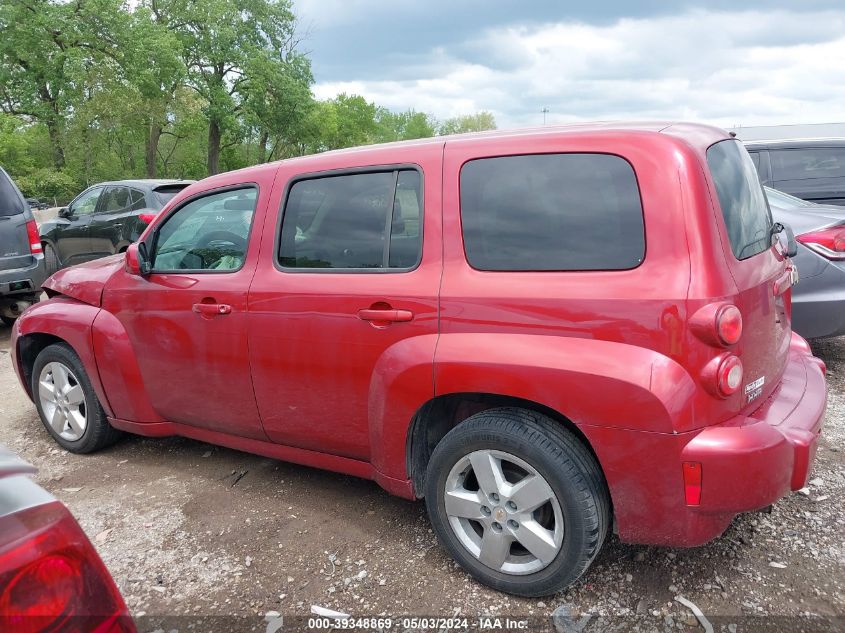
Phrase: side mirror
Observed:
(136, 261)
(791, 249)
(64, 212)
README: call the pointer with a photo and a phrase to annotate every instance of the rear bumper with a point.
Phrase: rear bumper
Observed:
(747, 462)
(33, 275)
(752, 461)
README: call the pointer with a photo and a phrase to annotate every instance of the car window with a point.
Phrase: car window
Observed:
(164, 193)
(208, 233)
(115, 199)
(11, 201)
(551, 212)
(136, 200)
(365, 221)
(741, 198)
(86, 203)
(803, 164)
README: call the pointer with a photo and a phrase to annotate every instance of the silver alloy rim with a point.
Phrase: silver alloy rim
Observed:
(504, 512)
(62, 401)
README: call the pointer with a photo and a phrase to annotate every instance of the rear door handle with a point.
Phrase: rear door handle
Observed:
(389, 315)
(212, 309)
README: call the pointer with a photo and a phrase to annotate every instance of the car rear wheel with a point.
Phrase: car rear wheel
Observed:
(67, 403)
(518, 501)
(51, 260)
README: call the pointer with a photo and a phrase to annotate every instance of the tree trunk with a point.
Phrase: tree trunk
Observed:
(213, 147)
(151, 148)
(56, 144)
(262, 147)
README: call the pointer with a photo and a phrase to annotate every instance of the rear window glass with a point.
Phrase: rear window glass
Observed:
(166, 193)
(11, 202)
(551, 212)
(803, 164)
(741, 198)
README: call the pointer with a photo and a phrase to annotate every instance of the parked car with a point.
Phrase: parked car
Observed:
(811, 169)
(104, 220)
(35, 203)
(21, 258)
(818, 302)
(476, 320)
(51, 578)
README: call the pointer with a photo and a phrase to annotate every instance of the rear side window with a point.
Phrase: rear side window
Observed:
(741, 198)
(11, 201)
(367, 221)
(804, 164)
(552, 212)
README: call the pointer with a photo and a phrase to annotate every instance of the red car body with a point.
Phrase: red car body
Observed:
(290, 369)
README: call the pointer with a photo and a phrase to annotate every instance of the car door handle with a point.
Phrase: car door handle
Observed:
(390, 315)
(212, 309)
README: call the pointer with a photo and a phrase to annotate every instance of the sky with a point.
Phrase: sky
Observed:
(769, 62)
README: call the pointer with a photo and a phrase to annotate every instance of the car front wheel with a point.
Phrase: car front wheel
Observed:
(67, 403)
(518, 501)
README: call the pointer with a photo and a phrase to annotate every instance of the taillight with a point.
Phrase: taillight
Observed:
(147, 216)
(829, 242)
(51, 578)
(729, 324)
(34, 238)
(729, 375)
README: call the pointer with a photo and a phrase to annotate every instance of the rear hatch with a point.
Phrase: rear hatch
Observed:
(164, 193)
(760, 271)
(14, 214)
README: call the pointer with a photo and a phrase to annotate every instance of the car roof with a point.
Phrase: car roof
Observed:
(796, 143)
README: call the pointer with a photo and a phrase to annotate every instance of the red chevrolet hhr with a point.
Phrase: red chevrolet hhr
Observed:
(544, 333)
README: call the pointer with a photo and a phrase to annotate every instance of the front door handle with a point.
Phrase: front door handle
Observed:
(385, 315)
(212, 309)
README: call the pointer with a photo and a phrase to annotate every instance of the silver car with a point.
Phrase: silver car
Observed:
(818, 300)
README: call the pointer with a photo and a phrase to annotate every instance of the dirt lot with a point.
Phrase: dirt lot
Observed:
(189, 528)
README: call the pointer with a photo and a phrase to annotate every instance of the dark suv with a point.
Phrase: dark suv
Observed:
(104, 219)
(812, 169)
(21, 259)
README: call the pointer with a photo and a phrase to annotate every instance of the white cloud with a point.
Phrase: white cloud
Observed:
(727, 68)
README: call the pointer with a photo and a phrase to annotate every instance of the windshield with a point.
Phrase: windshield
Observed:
(743, 203)
(165, 193)
(11, 201)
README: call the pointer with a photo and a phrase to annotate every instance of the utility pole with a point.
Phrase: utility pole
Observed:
(545, 111)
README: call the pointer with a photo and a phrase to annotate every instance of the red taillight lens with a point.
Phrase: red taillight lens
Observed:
(147, 216)
(51, 578)
(729, 325)
(40, 593)
(729, 375)
(829, 242)
(692, 483)
(34, 239)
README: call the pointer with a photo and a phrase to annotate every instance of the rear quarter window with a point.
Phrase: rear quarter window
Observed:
(741, 198)
(551, 212)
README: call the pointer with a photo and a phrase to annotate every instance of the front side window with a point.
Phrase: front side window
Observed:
(743, 203)
(86, 203)
(208, 233)
(368, 221)
(805, 164)
(551, 212)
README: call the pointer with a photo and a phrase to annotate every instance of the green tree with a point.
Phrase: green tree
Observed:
(46, 48)
(468, 123)
(403, 126)
(220, 41)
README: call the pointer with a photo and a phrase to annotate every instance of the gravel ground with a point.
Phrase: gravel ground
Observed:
(187, 528)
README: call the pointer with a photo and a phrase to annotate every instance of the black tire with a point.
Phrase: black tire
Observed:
(51, 260)
(98, 432)
(7, 320)
(568, 467)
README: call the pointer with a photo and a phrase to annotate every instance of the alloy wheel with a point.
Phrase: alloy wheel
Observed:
(504, 512)
(62, 401)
